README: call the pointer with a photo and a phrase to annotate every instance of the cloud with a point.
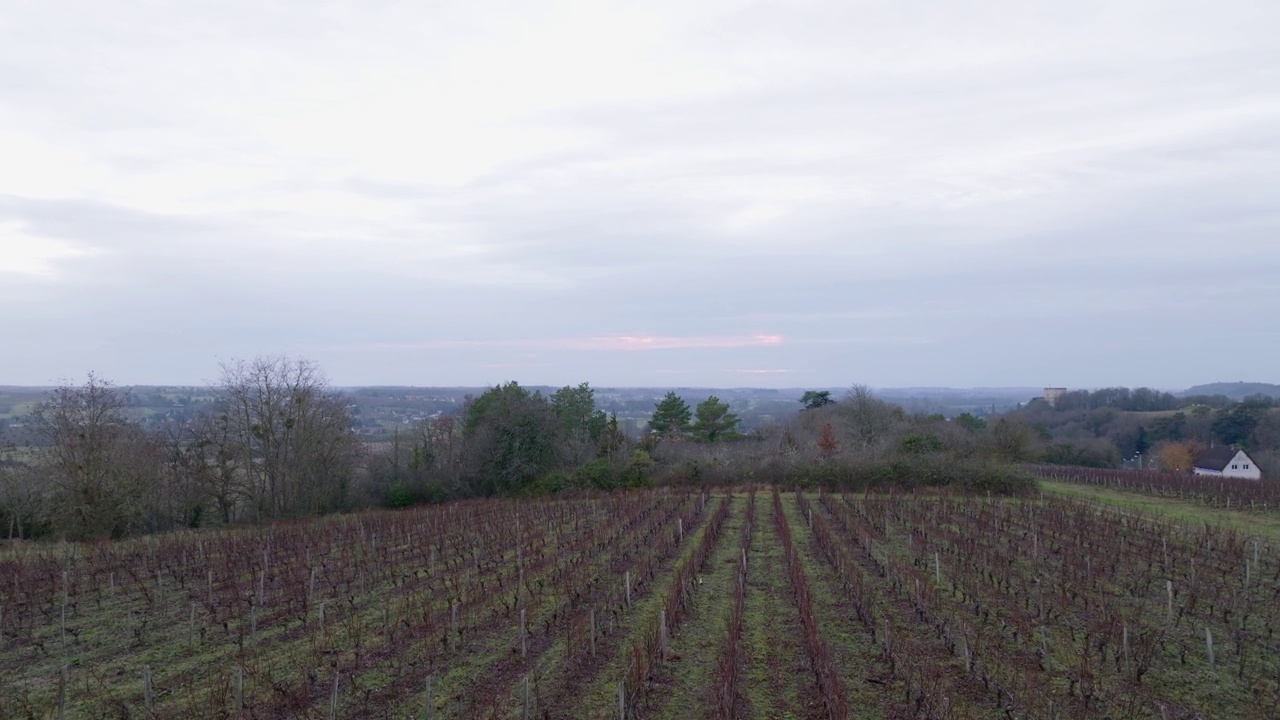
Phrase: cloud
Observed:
(650, 342)
(610, 189)
(616, 343)
(31, 256)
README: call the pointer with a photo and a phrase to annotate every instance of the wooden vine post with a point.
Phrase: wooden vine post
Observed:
(426, 705)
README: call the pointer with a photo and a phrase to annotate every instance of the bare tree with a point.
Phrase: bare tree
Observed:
(869, 417)
(212, 454)
(288, 437)
(443, 442)
(103, 468)
(188, 476)
(24, 494)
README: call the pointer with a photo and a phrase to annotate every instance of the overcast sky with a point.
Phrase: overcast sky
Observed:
(651, 193)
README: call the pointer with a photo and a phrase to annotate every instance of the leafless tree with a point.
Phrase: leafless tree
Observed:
(423, 463)
(443, 438)
(287, 436)
(188, 474)
(870, 418)
(24, 494)
(102, 467)
(212, 455)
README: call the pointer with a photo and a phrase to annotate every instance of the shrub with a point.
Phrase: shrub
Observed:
(917, 471)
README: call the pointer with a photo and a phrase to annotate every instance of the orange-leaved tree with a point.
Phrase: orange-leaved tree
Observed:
(1178, 456)
(828, 446)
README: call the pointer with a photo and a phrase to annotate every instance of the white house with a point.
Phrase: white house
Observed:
(1226, 461)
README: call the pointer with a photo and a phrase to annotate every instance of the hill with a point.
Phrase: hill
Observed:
(1234, 390)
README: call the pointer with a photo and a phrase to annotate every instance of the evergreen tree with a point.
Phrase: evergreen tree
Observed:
(671, 416)
(510, 436)
(581, 425)
(714, 421)
(814, 399)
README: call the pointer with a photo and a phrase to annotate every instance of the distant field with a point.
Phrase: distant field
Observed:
(14, 411)
(21, 452)
(1154, 414)
(670, 604)
(11, 407)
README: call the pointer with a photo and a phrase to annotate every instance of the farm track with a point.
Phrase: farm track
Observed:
(887, 606)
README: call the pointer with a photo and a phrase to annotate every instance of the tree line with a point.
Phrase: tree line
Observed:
(1115, 435)
(514, 440)
(278, 442)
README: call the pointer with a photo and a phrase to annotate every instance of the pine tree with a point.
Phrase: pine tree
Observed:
(670, 416)
(714, 421)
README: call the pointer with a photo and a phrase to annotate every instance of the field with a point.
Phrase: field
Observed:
(663, 604)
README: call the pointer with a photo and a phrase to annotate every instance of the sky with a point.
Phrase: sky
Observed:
(659, 193)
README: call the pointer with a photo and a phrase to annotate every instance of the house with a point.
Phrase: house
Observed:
(1226, 461)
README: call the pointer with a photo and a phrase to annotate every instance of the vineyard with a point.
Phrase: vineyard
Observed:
(1211, 491)
(664, 604)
